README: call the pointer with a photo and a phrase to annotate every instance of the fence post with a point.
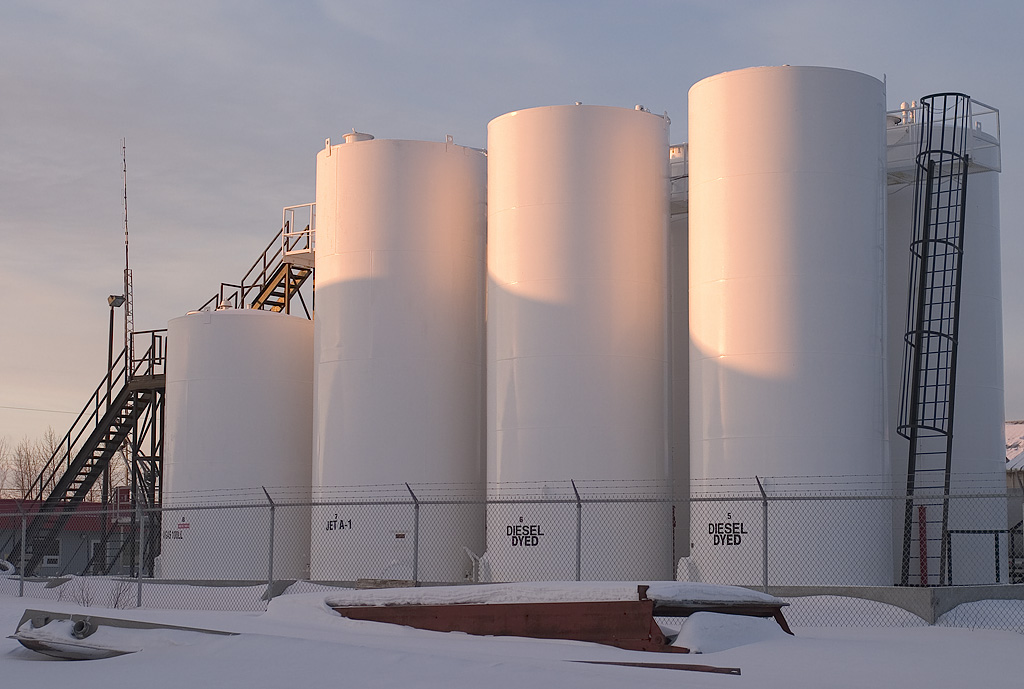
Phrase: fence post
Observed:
(141, 533)
(415, 537)
(949, 559)
(579, 528)
(270, 566)
(996, 537)
(764, 535)
(21, 568)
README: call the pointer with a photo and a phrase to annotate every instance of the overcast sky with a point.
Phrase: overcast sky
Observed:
(224, 106)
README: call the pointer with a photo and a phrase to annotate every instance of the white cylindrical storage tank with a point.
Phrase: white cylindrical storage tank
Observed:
(239, 411)
(787, 365)
(978, 459)
(399, 340)
(577, 369)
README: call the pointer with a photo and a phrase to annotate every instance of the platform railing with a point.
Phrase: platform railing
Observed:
(295, 241)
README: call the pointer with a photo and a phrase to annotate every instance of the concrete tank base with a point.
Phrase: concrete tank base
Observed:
(927, 603)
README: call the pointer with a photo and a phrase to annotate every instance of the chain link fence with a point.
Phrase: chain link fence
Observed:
(856, 540)
(838, 559)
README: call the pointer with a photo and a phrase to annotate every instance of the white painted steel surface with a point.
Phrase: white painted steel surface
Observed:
(577, 374)
(978, 461)
(239, 416)
(786, 261)
(399, 346)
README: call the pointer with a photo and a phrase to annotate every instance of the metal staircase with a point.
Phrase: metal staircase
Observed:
(108, 421)
(281, 286)
(274, 281)
(110, 552)
(933, 321)
(117, 546)
(126, 411)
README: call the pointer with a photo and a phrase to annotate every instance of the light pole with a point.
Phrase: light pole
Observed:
(114, 300)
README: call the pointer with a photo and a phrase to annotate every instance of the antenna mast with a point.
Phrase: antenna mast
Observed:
(129, 315)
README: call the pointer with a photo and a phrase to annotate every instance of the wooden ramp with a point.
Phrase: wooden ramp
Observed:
(625, 624)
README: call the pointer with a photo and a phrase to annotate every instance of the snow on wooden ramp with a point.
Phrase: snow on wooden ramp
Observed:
(616, 614)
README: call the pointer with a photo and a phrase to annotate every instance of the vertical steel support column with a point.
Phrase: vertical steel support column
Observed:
(415, 537)
(996, 537)
(922, 544)
(105, 489)
(287, 286)
(579, 529)
(764, 535)
(141, 535)
(270, 565)
(949, 559)
(21, 568)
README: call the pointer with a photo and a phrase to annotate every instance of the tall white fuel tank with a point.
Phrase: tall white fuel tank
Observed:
(977, 467)
(787, 294)
(239, 417)
(577, 328)
(399, 340)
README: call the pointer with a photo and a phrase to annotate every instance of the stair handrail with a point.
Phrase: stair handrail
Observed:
(254, 279)
(287, 242)
(223, 297)
(298, 241)
(982, 113)
(151, 362)
(83, 423)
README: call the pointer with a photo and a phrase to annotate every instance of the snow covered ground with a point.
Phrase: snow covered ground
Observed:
(300, 642)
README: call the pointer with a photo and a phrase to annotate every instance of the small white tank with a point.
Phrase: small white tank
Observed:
(239, 412)
(399, 355)
(577, 370)
(787, 364)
